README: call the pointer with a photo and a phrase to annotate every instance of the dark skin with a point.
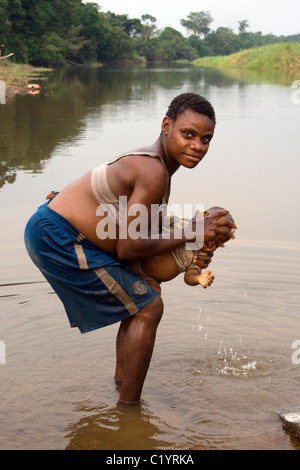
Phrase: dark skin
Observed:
(185, 142)
(163, 267)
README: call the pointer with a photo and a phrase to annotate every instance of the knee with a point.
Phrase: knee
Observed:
(157, 306)
(153, 312)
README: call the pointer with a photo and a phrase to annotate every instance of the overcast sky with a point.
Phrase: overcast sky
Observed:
(269, 16)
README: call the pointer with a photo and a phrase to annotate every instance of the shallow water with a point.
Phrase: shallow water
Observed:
(223, 362)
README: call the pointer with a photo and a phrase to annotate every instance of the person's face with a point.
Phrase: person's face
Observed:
(188, 138)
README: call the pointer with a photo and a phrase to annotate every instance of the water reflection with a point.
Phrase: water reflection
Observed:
(242, 76)
(232, 369)
(7, 174)
(33, 126)
(121, 427)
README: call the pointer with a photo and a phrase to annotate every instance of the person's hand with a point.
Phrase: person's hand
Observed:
(212, 226)
(202, 259)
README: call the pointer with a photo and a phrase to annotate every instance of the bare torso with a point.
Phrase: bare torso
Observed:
(78, 204)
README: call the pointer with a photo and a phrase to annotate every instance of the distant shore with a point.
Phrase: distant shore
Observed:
(17, 77)
(283, 56)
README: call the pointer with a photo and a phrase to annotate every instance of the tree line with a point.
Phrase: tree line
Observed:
(53, 32)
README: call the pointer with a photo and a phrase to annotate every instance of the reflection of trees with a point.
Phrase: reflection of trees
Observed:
(32, 126)
(7, 175)
(272, 76)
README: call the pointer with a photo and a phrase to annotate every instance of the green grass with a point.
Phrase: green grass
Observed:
(284, 56)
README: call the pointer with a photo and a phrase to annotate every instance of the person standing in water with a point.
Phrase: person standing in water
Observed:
(89, 269)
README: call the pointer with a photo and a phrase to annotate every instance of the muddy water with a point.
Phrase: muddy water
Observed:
(224, 360)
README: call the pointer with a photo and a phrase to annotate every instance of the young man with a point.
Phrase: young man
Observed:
(89, 270)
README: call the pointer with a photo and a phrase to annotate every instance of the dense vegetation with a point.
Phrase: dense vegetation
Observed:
(53, 32)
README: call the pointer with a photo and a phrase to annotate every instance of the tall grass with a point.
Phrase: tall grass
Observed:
(274, 56)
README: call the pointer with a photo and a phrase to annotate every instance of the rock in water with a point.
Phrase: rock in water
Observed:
(290, 418)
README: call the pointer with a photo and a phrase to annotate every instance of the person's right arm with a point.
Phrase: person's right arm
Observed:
(148, 182)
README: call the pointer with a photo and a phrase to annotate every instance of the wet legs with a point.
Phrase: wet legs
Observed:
(135, 343)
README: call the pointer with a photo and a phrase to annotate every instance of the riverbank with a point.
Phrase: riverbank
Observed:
(284, 56)
(17, 77)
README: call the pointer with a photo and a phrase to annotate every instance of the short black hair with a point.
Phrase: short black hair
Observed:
(193, 102)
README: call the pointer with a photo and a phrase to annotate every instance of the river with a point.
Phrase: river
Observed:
(226, 358)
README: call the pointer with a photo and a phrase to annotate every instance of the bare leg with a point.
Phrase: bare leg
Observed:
(135, 343)
(120, 351)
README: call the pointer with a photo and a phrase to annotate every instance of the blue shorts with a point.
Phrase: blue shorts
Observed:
(95, 288)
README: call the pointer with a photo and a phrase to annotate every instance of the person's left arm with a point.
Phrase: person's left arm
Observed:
(202, 259)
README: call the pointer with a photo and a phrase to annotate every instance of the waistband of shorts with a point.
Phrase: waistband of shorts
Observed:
(59, 220)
